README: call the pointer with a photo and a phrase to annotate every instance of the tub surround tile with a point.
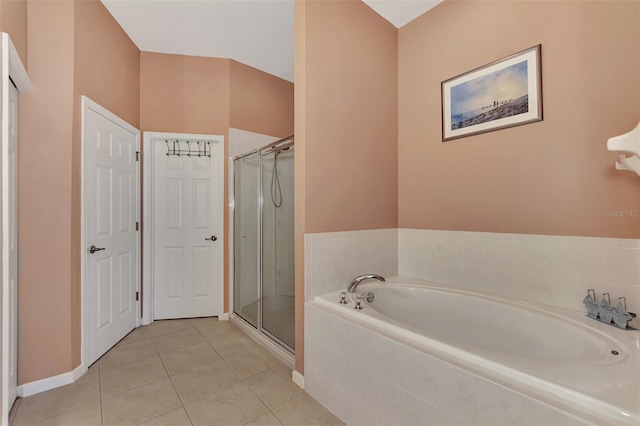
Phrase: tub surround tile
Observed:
(419, 413)
(539, 414)
(420, 375)
(358, 414)
(333, 259)
(319, 266)
(536, 268)
(391, 401)
(497, 405)
(389, 359)
(457, 393)
(348, 365)
(588, 261)
(623, 265)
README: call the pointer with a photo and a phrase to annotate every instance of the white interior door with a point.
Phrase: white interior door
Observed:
(10, 244)
(186, 230)
(13, 79)
(111, 212)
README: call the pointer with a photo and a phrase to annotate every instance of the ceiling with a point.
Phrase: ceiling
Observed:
(258, 33)
(401, 12)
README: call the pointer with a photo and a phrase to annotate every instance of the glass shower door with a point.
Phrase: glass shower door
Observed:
(247, 238)
(277, 312)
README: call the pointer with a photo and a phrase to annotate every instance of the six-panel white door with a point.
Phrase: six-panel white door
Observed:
(187, 243)
(111, 242)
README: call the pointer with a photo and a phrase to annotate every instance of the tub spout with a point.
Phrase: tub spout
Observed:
(357, 280)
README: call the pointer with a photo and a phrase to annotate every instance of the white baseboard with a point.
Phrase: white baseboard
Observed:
(224, 317)
(298, 379)
(49, 383)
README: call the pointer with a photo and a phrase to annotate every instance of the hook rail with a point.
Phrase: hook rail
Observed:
(192, 149)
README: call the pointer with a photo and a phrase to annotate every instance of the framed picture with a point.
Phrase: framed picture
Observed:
(504, 93)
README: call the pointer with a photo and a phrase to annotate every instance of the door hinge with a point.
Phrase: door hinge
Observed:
(137, 226)
(137, 295)
(138, 155)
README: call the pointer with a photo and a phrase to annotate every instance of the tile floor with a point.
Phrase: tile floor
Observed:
(179, 372)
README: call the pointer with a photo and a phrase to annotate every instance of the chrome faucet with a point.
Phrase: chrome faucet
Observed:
(357, 280)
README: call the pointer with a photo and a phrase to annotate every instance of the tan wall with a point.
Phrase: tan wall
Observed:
(45, 214)
(260, 102)
(77, 49)
(107, 70)
(13, 20)
(351, 118)
(551, 177)
(346, 126)
(184, 94)
(188, 94)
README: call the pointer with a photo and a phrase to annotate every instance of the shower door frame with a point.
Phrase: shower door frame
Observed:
(258, 328)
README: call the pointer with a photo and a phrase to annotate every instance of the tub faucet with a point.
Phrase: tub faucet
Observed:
(357, 280)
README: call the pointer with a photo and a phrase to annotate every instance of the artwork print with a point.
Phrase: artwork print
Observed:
(503, 94)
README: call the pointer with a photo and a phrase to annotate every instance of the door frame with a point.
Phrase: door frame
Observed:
(12, 68)
(147, 215)
(88, 104)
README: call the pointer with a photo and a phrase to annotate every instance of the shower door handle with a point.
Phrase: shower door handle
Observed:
(212, 238)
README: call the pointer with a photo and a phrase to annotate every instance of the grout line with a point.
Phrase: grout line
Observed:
(101, 369)
(126, 364)
(161, 414)
(208, 342)
(133, 388)
(99, 391)
(13, 412)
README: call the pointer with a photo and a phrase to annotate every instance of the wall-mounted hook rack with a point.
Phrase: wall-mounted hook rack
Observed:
(186, 148)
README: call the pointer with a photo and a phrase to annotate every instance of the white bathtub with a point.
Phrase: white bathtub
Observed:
(555, 355)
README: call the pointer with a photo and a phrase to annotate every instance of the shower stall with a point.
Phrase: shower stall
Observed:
(263, 241)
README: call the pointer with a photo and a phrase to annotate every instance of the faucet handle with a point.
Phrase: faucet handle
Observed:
(359, 302)
(343, 298)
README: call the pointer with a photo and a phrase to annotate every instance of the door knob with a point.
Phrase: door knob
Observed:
(212, 238)
(94, 249)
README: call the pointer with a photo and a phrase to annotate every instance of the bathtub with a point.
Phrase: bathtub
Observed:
(564, 359)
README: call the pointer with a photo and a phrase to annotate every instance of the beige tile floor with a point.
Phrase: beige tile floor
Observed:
(179, 372)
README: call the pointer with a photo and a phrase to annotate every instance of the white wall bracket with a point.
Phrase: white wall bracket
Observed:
(628, 143)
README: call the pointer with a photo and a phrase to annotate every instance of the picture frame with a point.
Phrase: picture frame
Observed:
(502, 94)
